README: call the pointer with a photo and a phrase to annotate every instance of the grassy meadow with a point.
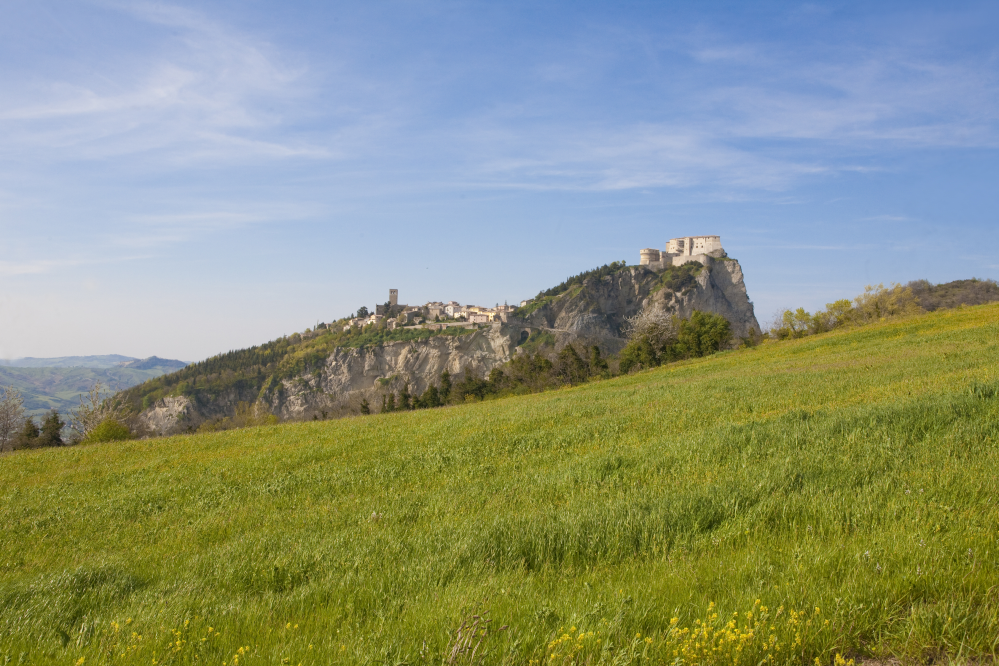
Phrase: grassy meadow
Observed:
(786, 504)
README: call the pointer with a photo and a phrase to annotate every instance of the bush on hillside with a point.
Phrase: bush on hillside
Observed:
(875, 304)
(680, 278)
(109, 430)
(657, 338)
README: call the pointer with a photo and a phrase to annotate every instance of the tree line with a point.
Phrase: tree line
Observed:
(19, 431)
(101, 417)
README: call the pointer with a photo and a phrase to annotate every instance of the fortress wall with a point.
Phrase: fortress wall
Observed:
(681, 259)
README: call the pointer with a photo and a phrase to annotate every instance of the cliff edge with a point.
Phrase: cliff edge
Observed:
(592, 312)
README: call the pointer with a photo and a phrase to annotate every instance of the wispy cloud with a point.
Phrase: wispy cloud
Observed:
(889, 218)
(157, 230)
(34, 267)
(207, 92)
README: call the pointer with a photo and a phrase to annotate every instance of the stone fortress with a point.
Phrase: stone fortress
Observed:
(679, 251)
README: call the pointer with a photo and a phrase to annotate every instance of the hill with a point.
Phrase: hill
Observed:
(330, 371)
(104, 361)
(60, 385)
(837, 492)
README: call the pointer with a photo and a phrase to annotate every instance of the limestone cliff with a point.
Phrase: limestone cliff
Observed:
(597, 311)
(350, 375)
(591, 313)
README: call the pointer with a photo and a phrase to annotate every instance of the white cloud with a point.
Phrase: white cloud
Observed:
(201, 95)
(34, 267)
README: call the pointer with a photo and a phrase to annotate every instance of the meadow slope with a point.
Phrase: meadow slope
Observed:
(839, 492)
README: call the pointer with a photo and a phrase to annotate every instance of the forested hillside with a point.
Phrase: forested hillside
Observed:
(259, 368)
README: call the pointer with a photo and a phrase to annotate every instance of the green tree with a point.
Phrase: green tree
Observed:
(704, 333)
(598, 364)
(445, 390)
(108, 431)
(365, 407)
(51, 434)
(390, 406)
(362, 311)
(404, 398)
(570, 368)
(431, 397)
(638, 354)
(28, 437)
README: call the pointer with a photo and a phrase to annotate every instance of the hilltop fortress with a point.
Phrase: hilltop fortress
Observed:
(682, 251)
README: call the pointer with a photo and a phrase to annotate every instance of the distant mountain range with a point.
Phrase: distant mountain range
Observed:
(58, 383)
(105, 361)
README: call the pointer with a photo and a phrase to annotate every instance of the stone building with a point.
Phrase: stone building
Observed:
(681, 251)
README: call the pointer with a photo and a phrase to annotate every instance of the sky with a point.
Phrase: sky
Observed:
(182, 179)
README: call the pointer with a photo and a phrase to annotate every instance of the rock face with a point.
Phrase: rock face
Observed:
(167, 415)
(597, 313)
(594, 313)
(351, 375)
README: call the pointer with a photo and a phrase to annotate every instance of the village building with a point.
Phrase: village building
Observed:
(394, 315)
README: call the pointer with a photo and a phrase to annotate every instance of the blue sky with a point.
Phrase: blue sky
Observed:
(181, 179)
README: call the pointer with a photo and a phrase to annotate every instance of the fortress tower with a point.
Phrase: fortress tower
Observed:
(393, 297)
(681, 251)
(649, 256)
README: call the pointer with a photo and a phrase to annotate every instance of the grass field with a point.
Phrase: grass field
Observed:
(837, 494)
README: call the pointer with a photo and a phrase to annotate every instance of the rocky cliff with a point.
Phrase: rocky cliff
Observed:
(596, 312)
(592, 313)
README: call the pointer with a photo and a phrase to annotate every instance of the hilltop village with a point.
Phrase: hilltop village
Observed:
(437, 314)
(432, 315)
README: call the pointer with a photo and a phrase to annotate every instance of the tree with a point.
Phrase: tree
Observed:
(51, 434)
(101, 404)
(570, 367)
(365, 407)
(598, 364)
(652, 332)
(404, 397)
(362, 311)
(108, 431)
(28, 437)
(390, 406)
(11, 416)
(659, 339)
(704, 333)
(445, 390)
(431, 397)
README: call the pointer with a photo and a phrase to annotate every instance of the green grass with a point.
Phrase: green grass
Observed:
(853, 472)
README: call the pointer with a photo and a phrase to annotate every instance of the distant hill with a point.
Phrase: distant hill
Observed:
(155, 362)
(106, 361)
(953, 294)
(59, 384)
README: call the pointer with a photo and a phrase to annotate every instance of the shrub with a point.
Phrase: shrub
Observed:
(875, 304)
(109, 430)
(656, 338)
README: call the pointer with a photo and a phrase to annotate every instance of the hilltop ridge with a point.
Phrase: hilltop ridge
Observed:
(332, 370)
